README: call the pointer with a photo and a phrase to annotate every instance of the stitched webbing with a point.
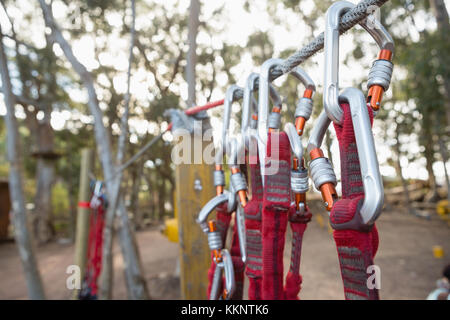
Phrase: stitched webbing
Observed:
(252, 211)
(356, 248)
(94, 253)
(293, 283)
(276, 205)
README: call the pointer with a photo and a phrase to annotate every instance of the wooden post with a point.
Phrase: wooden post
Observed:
(82, 231)
(194, 188)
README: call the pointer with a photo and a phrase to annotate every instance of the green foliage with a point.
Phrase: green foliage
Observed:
(60, 201)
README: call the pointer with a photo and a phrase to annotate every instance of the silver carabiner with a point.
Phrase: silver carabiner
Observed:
(321, 169)
(299, 175)
(249, 121)
(263, 109)
(230, 97)
(304, 107)
(273, 122)
(382, 71)
(248, 103)
(219, 176)
(225, 265)
(370, 172)
(239, 186)
(209, 207)
(230, 281)
(294, 140)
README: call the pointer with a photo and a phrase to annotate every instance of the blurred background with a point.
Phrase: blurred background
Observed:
(55, 120)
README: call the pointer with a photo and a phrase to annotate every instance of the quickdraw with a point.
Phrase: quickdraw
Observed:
(97, 204)
(353, 217)
(221, 258)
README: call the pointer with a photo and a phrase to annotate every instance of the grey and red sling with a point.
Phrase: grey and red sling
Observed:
(299, 214)
(275, 155)
(353, 217)
(97, 206)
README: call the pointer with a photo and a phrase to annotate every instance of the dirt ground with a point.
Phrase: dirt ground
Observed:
(405, 256)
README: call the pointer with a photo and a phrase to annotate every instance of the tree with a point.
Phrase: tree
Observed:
(112, 177)
(22, 234)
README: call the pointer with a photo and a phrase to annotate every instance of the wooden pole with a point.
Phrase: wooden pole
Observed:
(82, 231)
(194, 188)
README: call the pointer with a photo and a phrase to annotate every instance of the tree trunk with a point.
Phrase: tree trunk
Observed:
(134, 197)
(43, 228)
(440, 12)
(398, 169)
(194, 12)
(444, 155)
(21, 230)
(162, 200)
(429, 156)
(136, 284)
(111, 177)
(42, 224)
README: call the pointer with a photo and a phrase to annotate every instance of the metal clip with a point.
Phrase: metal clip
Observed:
(249, 121)
(305, 104)
(381, 71)
(299, 175)
(370, 172)
(320, 167)
(239, 186)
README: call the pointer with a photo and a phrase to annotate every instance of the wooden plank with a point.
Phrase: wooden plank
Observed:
(82, 230)
(194, 250)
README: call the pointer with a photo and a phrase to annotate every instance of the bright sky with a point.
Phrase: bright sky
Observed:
(239, 25)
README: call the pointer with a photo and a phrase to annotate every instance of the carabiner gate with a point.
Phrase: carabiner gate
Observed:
(381, 71)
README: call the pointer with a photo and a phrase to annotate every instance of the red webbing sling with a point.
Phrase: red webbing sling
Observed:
(238, 264)
(276, 204)
(95, 244)
(293, 278)
(253, 215)
(356, 244)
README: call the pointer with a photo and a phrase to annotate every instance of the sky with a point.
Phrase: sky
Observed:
(239, 24)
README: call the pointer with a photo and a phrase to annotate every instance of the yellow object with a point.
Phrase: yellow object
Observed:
(438, 252)
(443, 208)
(320, 220)
(171, 230)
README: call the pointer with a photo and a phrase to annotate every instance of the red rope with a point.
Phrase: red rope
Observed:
(197, 109)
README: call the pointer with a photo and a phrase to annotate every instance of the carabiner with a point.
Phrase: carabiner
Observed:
(223, 261)
(305, 104)
(263, 109)
(248, 118)
(268, 123)
(216, 246)
(219, 177)
(380, 74)
(239, 186)
(322, 172)
(299, 174)
(321, 169)
(370, 172)
(249, 121)
(230, 282)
